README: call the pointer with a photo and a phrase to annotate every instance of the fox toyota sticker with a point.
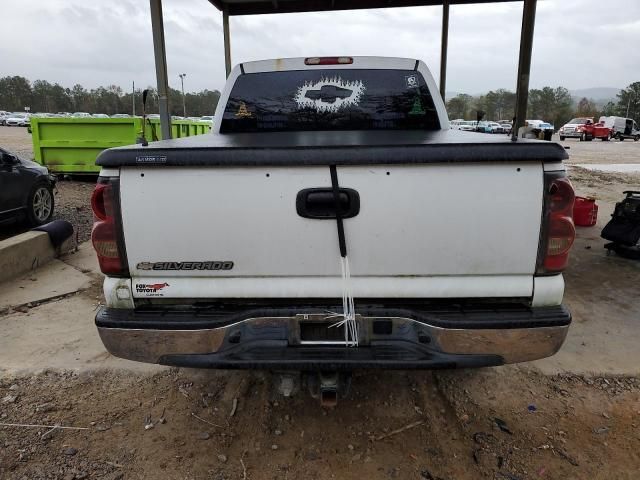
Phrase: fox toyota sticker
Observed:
(329, 94)
(151, 289)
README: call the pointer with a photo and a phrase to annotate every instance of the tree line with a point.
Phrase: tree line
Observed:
(554, 105)
(17, 92)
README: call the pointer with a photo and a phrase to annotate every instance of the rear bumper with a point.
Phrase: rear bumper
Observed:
(284, 338)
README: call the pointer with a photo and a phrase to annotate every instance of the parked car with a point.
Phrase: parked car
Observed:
(26, 190)
(468, 126)
(81, 115)
(570, 129)
(495, 127)
(207, 118)
(100, 115)
(17, 119)
(3, 116)
(120, 115)
(483, 127)
(244, 249)
(507, 126)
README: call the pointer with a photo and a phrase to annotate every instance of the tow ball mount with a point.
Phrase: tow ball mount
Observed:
(328, 386)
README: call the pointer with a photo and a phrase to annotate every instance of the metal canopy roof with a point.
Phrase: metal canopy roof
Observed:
(254, 7)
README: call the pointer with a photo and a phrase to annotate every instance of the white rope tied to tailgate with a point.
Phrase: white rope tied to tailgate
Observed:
(348, 309)
(348, 306)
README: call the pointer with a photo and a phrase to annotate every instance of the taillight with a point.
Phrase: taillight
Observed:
(558, 230)
(106, 235)
(328, 61)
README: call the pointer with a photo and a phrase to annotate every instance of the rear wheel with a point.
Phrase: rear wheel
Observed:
(561, 138)
(40, 204)
(636, 138)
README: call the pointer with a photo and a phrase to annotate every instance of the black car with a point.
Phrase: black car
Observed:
(26, 190)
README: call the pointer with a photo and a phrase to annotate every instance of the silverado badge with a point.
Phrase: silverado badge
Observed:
(207, 265)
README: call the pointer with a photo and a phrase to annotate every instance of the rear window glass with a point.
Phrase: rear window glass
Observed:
(340, 99)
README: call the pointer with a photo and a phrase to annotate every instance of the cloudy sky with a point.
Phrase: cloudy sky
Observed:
(578, 43)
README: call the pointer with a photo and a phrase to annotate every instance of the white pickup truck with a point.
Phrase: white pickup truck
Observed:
(225, 250)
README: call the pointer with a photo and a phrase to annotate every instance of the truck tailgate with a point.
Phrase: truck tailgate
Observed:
(423, 230)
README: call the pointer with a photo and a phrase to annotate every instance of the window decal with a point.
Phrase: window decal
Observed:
(329, 94)
(417, 108)
(412, 81)
(243, 111)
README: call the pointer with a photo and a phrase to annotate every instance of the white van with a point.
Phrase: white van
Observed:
(622, 127)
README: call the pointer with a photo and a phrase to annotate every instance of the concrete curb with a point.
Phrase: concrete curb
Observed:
(26, 252)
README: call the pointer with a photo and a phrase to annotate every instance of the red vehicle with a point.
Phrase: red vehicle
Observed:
(591, 130)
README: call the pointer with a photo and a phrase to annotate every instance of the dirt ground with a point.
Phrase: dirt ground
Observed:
(573, 416)
(507, 423)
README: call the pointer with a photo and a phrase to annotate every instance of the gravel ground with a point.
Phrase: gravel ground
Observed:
(17, 140)
(506, 423)
(73, 203)
(598, 151)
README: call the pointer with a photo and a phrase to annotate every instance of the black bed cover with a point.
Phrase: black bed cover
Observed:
(373, 147)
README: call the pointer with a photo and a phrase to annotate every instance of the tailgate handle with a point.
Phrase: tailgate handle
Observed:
(319, 203)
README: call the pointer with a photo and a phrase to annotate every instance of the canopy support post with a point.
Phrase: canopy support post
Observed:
(160, 54)
(227, 41)
(524, 65)
(443, 48)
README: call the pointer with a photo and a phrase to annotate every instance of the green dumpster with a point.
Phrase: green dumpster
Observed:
(71, 145)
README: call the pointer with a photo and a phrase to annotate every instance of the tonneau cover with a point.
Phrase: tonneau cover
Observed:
(372, 147)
